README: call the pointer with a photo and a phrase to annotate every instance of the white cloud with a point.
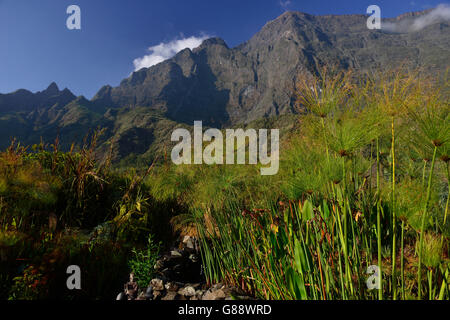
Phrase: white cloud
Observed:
(166, 50)
(440, 13)
(285, 4)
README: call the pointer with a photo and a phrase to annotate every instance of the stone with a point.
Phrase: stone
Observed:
(219, 294)
(173, 260)
(186, 239)
(214, 295)
(175, 253)
(157, 284)
(179, 278)
(159, 265)
(157, 295)
(188, 242)
(141, 296)
(194, 285)
(245, 298)
(131, 294)
(149, 293)
(131, 288)
(193, 257)
(187, 291)
(121, 296)
(171, 286)
(171, 295)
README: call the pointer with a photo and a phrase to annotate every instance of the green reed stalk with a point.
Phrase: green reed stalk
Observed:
(430, 284)
(446, 204)
(448, 194)
(345, 223)
(322, 121)
(394, 280)
(402, 262)
(444, 285)
(380, 290)
(370, 166)
(423, 172)
(422, 228)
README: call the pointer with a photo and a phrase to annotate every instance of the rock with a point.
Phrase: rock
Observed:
(176, 253)
(188, 242)
(121, 296)
(171, 295)
(193, 257)
(214, 295)
(132, 294)
(171, 286)
(186, 239)
(199, 293)
(131, 288)
(218, 286)
(149, 293)
(141, 296)
(245, 298)
(219, 294)
(157, 295)
(180, 277)
(173, 260)
(194, 285)
(159, 265)
(157, 284)
(187, 291)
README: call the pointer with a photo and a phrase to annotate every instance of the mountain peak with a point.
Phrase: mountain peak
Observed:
(291, 16)
(52, 88)
(214, 41)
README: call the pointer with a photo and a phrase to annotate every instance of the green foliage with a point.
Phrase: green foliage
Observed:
(346, 200)
(143, 261)
(62, 208)
(432, 250)
(29, 286)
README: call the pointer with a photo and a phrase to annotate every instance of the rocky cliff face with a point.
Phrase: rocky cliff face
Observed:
(223, 86)
(220, 85)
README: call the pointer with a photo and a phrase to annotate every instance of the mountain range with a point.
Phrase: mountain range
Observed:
(222, 86)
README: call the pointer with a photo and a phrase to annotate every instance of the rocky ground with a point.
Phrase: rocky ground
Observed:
(180, 277)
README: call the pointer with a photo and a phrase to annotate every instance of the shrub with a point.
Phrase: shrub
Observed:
(143, 261)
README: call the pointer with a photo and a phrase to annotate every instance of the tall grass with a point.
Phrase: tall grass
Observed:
(342, 207)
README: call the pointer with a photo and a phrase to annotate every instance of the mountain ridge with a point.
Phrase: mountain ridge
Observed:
(219, 85)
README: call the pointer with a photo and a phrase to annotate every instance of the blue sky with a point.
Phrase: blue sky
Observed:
(36, 47)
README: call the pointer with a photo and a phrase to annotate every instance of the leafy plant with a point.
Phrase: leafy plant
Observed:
(143, 261)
